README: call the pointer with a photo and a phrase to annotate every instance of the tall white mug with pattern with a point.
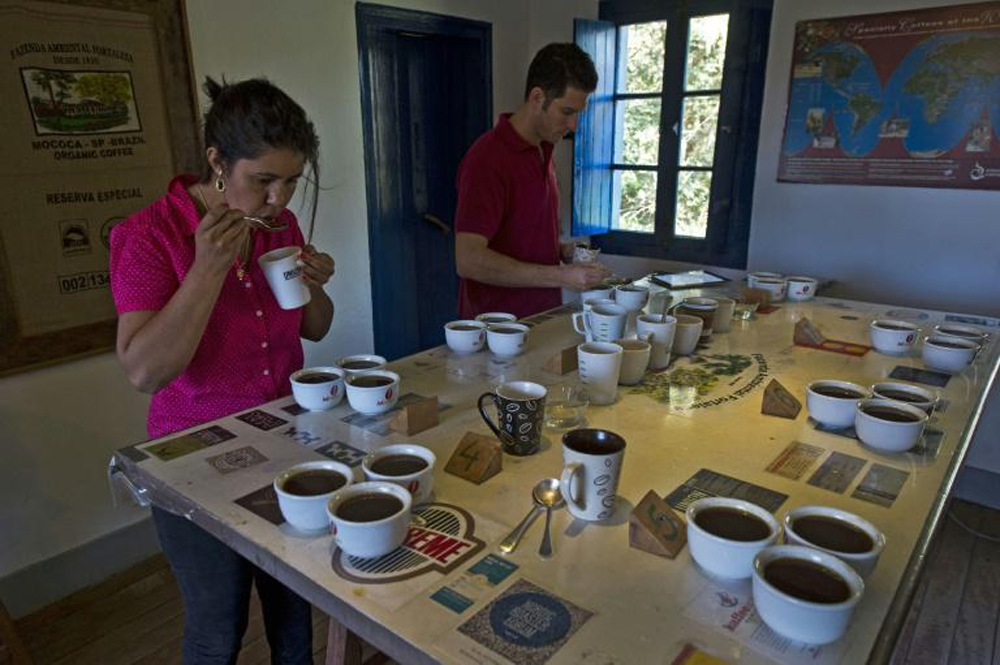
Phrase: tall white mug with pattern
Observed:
(592, 464)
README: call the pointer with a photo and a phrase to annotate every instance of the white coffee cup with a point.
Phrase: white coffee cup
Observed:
(592, 463)
(961, 331)
(284, 276)
(592, 294)
(948, 354)
(832, 402)
(796, 618)
(635, 360)
(801, 288)
(922, 398)
(361, 363)
(632, 298)
(507, 339)
(893, 337)
(861, 560)
(880, 425)
(371, 538)
(591, 303)
(722, 556)
(659, 331)
(687, 332)
(724, 314)
(489, 318)
(754, 277)
(307, 511)
(600, 365)
(776, 288)
(465, 336)
(418, 483)
(602, 323)
(368, 393)
(318, 395)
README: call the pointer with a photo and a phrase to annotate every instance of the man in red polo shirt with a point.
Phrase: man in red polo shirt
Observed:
(507, 248)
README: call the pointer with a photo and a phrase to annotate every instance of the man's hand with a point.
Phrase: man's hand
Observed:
(583, 276)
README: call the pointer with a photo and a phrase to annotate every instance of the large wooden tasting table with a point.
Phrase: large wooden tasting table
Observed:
(694, 430)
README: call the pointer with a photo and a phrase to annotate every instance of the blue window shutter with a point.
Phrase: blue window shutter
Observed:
(593, 145)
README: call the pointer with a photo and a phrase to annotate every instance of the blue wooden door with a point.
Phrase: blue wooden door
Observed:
(426, 96)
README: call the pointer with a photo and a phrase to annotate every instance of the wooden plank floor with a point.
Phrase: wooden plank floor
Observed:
(136, 616)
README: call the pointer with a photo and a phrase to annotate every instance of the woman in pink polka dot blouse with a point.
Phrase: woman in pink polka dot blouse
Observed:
(199, 329)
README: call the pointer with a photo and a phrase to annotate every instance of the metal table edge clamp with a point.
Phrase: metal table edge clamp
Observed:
(117, 480)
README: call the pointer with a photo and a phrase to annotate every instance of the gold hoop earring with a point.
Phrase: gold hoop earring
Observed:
(220, 184)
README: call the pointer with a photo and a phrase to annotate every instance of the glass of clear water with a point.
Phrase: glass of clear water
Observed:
(565, 405)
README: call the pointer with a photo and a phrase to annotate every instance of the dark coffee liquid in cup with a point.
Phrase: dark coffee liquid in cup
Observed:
(370, 381)
(398, 465)
(465, 328)
(369, 507)
(807, 580)
(833, 534)
(835, 391)
(314, 482)
(732, 524)
(892, 326)
(593, 441)
(950, 345)
(360, 364)
(317, 377)
(967, 334)
(492, 319)
(890, 414)
(506, 331)
(901, 396)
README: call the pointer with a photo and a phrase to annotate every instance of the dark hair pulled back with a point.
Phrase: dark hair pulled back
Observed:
(558, 66)
(248, 118)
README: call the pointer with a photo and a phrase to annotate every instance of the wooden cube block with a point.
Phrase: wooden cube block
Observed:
(807, 333)
(654, 527)
(779, 402)
(563, 362)
(416, 417)
(476, 459)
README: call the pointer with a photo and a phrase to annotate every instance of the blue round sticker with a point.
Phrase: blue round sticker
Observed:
(530, 620)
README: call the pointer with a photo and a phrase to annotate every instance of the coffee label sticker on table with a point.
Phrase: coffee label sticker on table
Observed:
(236, 460)
(525, 624)
(846, 432)
(881, 485)
(264, 504)
(795, 460)
(707, 483)
(837, 472)
(261, 419)
(474, 584)
(924, 376)
(339, 451)
(729, 610)
(381, 424)
(188, 443)
(294, 409)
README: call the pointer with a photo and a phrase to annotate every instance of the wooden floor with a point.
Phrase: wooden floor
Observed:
(136, 616)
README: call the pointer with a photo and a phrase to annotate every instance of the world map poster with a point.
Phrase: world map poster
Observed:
(904, 99)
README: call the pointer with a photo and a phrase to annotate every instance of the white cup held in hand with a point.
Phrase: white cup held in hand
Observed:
(600, 366)
(284, 276)
(592, 464)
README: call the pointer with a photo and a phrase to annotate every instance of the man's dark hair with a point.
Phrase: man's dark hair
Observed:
(560, 66)
(249, 118)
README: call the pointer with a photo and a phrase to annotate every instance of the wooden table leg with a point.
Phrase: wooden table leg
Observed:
(10, 639)
(342, 646)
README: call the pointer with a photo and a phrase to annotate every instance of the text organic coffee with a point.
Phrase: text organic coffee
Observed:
(807, 581)
(398, 465)
(732, 524)
(314, 482)
(369, 507)
(833, 534)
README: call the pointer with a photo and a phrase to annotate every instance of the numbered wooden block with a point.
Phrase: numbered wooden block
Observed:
(807, 333)
(476, 459)
(779, 402)
(563, 362)
(416, 416)
(654, 527)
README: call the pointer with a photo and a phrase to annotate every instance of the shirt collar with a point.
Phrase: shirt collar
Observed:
(182, 201)
(515, 141)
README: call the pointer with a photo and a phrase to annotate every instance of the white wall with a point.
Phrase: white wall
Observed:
(934, 248)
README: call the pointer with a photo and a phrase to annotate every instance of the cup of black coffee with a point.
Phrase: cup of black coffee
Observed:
(726, 534)
(369, 519)
(361, 363)
(889, 425)
(852, 539)
(805, 594)
(831, 402)
(372, 392)
(318, 388)
(921, 398)
(405, 464)
(304, 489)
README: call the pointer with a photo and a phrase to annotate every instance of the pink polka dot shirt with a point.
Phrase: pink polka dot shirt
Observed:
(250, 345)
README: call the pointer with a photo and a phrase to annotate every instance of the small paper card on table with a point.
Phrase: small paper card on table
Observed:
(707, 483)
(474, 584)
(881, 485)
(837, 472)
(795, 460)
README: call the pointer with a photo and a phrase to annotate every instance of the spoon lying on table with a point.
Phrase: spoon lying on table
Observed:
(509, 544)
(549, 495)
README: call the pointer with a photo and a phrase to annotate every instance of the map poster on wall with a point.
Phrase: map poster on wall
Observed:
(98, 115)
(907, 99)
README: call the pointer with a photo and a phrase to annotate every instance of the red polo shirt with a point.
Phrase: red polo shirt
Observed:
(507, 192)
